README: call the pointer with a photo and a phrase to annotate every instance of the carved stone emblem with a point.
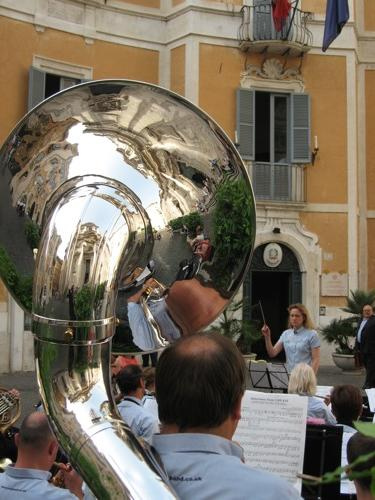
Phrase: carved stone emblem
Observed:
(272, 69)
(272, 255)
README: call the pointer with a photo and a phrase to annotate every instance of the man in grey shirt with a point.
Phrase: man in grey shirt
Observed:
(200, 381)
(28, 478)
(132, 386)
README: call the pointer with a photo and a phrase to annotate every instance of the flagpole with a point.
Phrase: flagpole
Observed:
(292, 19)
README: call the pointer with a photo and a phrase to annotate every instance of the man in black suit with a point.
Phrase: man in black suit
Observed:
(366, 340)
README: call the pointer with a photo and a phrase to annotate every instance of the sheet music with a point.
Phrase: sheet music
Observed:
(272, 432)
(323, 390)
(371, 399)
(346, 486)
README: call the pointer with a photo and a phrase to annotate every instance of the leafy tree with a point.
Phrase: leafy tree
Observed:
(191, 221)
(20, 285)
(32, 233)
(83, 303)
(233, 231)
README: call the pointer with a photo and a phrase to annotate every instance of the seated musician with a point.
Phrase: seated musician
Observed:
(200, 381)
(346, 402)
(28, 478)
(359, 445)
(302, 381)
(149, 400)
(131, 384)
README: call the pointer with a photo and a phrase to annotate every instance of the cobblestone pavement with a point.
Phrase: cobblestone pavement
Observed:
(26, 383)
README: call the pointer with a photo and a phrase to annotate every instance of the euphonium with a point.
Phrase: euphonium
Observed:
(10, 409)
(99, 181)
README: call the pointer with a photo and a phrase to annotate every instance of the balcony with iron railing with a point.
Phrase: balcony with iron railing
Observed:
(278, 183)
(257, 32)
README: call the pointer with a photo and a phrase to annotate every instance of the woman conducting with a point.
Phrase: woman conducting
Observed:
(300, 342)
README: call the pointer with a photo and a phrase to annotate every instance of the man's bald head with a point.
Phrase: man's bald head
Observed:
(199, 380)
(35, 432)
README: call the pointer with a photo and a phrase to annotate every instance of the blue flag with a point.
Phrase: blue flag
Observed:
(337, 14)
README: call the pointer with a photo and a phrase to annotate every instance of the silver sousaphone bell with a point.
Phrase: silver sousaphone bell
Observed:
(107, 186)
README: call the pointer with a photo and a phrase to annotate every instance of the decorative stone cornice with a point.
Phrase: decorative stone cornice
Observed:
(273, 75)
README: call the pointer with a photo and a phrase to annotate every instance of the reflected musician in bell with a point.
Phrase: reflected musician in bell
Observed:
(300, 341)
(200, 382)
(184, 308)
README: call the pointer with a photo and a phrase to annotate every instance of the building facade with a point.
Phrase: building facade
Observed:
(302, 119)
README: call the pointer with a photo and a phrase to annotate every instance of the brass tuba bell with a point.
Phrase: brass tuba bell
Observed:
(106, 186)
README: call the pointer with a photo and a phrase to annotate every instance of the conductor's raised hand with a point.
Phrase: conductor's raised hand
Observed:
(266, 331)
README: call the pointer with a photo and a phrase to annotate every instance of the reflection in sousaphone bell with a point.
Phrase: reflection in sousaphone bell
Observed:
(107, 172)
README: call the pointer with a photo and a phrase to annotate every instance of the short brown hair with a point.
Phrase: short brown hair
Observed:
(346, 401)
(199, 380)
(359, 445)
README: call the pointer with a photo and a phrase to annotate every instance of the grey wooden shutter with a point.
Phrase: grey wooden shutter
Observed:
(262, 180)
(282, 178)
(246, 122)
(262, 24)
(300, 113)
(37, 86)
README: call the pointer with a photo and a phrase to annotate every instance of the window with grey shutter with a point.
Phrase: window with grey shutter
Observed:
(43, 85)
(246, 123)
(300, 141)
(37, 85)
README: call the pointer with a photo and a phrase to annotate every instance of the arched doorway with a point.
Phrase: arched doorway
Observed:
(275, 287)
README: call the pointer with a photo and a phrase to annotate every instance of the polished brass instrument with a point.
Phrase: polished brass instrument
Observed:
(104, 172)
(10, 409)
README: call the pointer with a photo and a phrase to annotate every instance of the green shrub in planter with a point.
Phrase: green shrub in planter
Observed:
(341, 332)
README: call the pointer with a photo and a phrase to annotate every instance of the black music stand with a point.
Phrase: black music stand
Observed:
(269, 376)
(322, 454)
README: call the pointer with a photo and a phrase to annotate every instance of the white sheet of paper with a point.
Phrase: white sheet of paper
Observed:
(346, 486)
(371, 399)
(272, 433)
(323, 390)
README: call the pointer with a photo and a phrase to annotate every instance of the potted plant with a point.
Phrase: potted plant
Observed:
(358, 299)
(341, 333)
(242, 331)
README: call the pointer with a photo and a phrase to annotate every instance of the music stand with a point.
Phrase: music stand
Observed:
(322, 454)
(269, 376)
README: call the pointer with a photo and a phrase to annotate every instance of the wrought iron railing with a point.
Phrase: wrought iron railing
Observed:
(278, 182)
(257, 24)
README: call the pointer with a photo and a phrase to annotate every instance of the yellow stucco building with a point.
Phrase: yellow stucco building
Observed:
(303, 121)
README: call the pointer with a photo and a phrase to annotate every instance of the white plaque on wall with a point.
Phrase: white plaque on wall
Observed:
(334, 285)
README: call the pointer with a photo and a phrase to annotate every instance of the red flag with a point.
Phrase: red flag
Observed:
(280, 12)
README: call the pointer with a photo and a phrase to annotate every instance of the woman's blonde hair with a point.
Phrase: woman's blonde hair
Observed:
(307, 323)
(302, 380)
